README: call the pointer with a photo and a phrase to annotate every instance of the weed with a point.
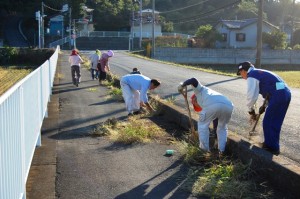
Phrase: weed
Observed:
(192, 154)
(171, 99)
(105, 128)
(135, 131)
(59, 75)
(116, 93)
(225, 180)
(219, 177)
(92, 89)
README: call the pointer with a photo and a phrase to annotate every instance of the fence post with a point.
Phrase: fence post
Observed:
(22, 129)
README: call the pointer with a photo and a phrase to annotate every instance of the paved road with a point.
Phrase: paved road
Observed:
(233, 87)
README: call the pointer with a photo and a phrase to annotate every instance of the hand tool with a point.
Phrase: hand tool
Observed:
(194, 137)
(252, 132)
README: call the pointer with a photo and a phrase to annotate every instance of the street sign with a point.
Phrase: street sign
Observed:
(37, 15)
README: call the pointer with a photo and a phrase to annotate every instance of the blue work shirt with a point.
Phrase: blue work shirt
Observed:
(138, 82)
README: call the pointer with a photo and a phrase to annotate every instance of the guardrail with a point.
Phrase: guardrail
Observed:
(113, 34)
(22, 111)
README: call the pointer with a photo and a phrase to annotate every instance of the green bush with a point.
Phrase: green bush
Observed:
(170, 41)
(7, 54)
(166, 41)
(296, 47)
(276, 39)
(24, 56)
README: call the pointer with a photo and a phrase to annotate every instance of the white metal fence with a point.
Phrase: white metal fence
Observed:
(22, 111)
(112, 34)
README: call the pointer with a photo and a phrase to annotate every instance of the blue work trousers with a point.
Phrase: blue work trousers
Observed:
(274, 116)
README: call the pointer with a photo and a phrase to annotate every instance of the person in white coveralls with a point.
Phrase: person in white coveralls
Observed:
(214, 105)
(134, 90)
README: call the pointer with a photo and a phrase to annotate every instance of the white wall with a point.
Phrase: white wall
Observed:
(147, 30)
(250, 32)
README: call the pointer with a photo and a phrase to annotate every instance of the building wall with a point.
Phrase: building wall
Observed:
(225, 56)
(250, 32)
(146, 30)
(56, 27)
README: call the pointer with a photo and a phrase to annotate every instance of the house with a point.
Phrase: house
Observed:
(241, 33)
(56, 24)
(288, 30)
(146, 28)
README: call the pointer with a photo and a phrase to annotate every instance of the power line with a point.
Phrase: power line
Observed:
(183, 7)
(51, 8)
(197, 17)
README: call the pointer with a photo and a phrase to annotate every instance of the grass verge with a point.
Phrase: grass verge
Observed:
(292, 78)
(9, 77)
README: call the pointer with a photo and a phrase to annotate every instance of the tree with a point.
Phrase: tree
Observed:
(166, 26)
(276, 39)
(296, 37)
(207, 36)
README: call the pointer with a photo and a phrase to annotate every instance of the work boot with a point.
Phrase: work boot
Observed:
(273, 151)
(130, 114)
(137, 112)
(221, 155)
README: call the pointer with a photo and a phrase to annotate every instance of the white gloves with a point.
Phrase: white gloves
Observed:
(180, 87)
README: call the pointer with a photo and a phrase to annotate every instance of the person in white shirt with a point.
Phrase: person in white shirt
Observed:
(75, 60)
(95, 58)
(214, 105)
(134, 89)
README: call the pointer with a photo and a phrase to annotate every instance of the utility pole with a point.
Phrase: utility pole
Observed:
(259, 35)
(292, 25)
(141, 23)
(38, 17)
(74, 26)
(131, 32)
(70, 27)
(42, 26)
(153, 30)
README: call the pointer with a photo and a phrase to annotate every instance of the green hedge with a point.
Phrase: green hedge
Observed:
(24, 56)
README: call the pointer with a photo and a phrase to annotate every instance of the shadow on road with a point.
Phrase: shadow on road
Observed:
(171, 187)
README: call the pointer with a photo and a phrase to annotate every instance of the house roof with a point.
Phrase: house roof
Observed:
(149, 11)
(57, 18)
(240, 24)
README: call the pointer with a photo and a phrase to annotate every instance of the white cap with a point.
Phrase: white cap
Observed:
(110, 53)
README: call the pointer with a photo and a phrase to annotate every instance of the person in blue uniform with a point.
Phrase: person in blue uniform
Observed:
(272, 87)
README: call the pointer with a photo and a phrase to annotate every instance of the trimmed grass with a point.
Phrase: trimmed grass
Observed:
(9, 77)
(292, 78)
